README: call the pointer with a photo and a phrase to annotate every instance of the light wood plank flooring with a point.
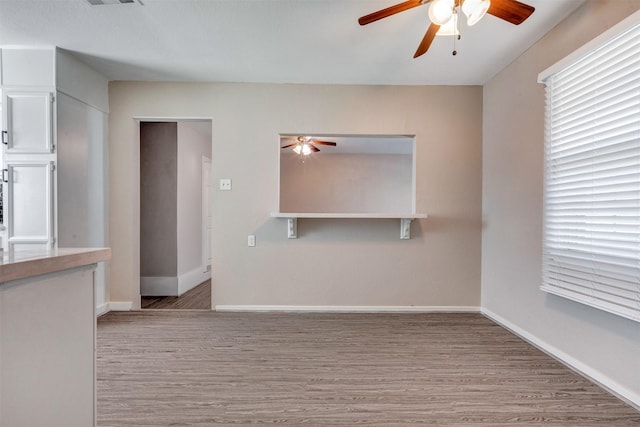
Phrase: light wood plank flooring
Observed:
(193, 368)
(198, 298)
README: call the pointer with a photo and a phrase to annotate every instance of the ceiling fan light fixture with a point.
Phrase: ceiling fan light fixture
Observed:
(440, 11)
(475, 10)
(302, 148)
(450, 28)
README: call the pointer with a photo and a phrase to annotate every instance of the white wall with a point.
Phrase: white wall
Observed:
(346, 183)
(345, 262)
(194, 142)
(80, 81)
(82, 180)
(82, 153)
(602, 345)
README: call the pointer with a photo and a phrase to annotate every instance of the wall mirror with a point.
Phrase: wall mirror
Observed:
(351, 174)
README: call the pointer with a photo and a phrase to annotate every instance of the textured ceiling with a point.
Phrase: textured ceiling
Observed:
(277, 41)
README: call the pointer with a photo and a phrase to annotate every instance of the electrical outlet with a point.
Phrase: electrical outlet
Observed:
(225, 184)
(251, 240)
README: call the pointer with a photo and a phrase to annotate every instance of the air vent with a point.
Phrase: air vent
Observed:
(101, 2)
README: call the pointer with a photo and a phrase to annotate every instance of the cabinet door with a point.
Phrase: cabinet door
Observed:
(28, 208)
(27, 122)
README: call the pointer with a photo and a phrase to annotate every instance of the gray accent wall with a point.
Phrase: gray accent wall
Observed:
(158, 199)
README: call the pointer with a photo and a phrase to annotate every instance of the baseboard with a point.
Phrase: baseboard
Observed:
(102, 309)
(618, 390)
(191, 279)
(153, 286)
(120, 306)
(350, 308)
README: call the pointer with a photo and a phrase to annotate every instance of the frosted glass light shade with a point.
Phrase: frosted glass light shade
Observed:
(450, 28)
(297, 149)
(475, 10)
(440, 11)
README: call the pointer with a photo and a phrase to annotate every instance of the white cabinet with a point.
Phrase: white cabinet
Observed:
(27, 122)
(53, 156)
(28, 212)
(28, 169)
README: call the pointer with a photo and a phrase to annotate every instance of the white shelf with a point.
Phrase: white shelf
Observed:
(347, 215)
(292, 219)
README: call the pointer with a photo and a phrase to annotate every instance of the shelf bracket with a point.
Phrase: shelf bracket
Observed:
(292, 228)
(405, 228)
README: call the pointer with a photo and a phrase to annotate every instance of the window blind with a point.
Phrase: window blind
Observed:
(592, 178)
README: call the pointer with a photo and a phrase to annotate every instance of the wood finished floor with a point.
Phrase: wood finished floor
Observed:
(198, 298)
(193, 368)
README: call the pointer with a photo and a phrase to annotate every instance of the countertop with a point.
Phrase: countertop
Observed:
(15, 265)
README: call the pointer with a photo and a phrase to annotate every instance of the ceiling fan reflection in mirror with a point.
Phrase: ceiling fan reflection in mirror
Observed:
(305, 145)
(444, 15)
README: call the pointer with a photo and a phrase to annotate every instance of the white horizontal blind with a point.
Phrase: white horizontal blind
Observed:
(592, 179)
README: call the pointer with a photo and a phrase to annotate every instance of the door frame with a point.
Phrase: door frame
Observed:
(206, 221)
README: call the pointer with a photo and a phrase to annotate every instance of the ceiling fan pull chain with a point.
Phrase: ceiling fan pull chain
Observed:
(455, 52)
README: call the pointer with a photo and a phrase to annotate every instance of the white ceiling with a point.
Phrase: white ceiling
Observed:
(276, 41)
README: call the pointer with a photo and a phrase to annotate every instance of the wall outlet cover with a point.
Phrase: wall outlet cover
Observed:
(225, 184)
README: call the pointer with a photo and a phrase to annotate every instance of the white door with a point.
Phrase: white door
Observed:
(27, 118)
(206, 213)
(28, 208)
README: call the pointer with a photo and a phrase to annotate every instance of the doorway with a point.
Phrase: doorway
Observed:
(175, 266)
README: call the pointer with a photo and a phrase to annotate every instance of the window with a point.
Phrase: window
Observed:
(592, 175)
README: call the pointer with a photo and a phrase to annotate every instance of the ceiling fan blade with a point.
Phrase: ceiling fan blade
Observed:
(510, 10)
(290, 145)
(427, 40)
(313, 148)
(291, 137)
(333, 144)
(392, 10)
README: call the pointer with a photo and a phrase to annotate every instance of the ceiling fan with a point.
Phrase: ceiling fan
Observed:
(443, 14)
(305, 145)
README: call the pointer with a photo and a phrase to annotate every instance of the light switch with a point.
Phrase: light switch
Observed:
(225, 184)
(251, 240)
